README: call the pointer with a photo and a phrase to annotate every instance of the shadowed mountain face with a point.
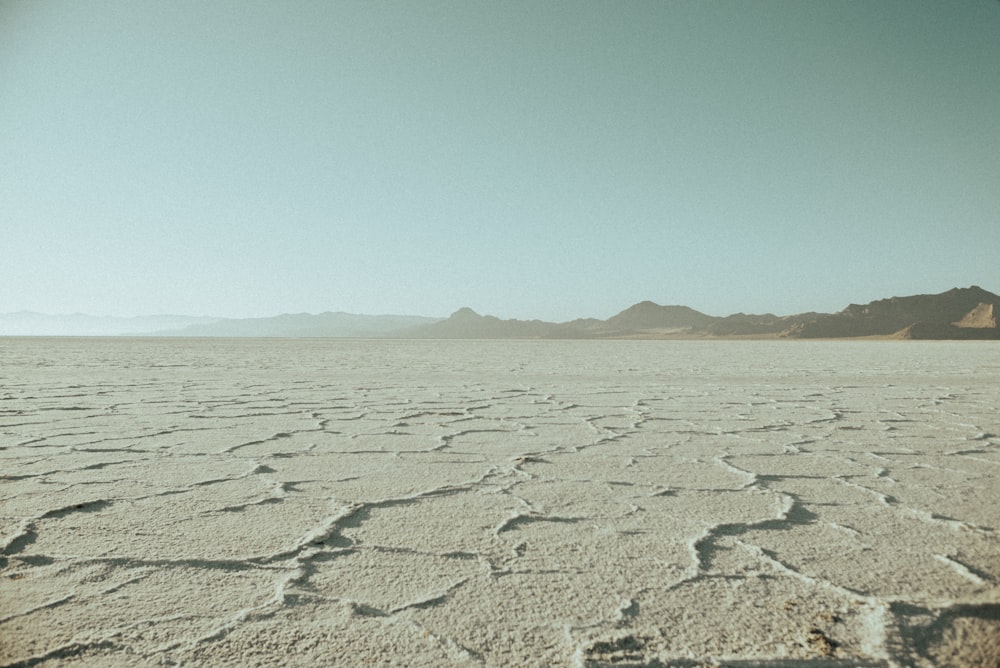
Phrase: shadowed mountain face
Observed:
(742, 324)
(960, 313)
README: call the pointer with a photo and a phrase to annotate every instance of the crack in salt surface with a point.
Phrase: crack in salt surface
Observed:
(974, 575)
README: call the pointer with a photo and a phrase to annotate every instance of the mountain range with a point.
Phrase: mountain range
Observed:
(960, 313)
(341, 325)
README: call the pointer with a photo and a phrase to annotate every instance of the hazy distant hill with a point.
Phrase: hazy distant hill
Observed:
(467, 324)
(649, 316)
(28, 323)
(304, 325)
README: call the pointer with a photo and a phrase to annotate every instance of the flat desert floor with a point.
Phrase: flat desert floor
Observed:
(499, 503)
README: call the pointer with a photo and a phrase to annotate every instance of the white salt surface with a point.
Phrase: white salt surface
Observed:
(422, 503)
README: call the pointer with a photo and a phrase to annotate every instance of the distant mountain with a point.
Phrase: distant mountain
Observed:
(467, 324)
(29, 323)
(742, 324)
(960, 313)
(647, 316)
(342, 325)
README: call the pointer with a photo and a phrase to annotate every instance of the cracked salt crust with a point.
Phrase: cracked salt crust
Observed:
(498, 503)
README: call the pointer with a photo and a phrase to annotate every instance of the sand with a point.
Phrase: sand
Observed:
(498, 503)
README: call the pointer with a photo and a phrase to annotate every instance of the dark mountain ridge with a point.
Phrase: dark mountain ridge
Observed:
(945, 315)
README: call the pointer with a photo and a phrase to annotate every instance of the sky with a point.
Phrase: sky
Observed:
(526, 159)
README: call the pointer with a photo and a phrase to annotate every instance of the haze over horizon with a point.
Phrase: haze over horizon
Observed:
(528, 160)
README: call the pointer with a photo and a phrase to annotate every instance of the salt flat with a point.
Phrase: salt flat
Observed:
(500, 503)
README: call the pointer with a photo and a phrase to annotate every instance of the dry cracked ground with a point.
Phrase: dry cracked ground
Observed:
(311, 502)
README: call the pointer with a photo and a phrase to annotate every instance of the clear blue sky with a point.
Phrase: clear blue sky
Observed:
(528, 159)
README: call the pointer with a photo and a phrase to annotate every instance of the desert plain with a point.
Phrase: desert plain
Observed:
(323, 502)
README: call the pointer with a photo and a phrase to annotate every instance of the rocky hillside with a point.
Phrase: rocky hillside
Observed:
(960, 313)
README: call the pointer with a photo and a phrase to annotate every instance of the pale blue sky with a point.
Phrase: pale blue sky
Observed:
(528, 159)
